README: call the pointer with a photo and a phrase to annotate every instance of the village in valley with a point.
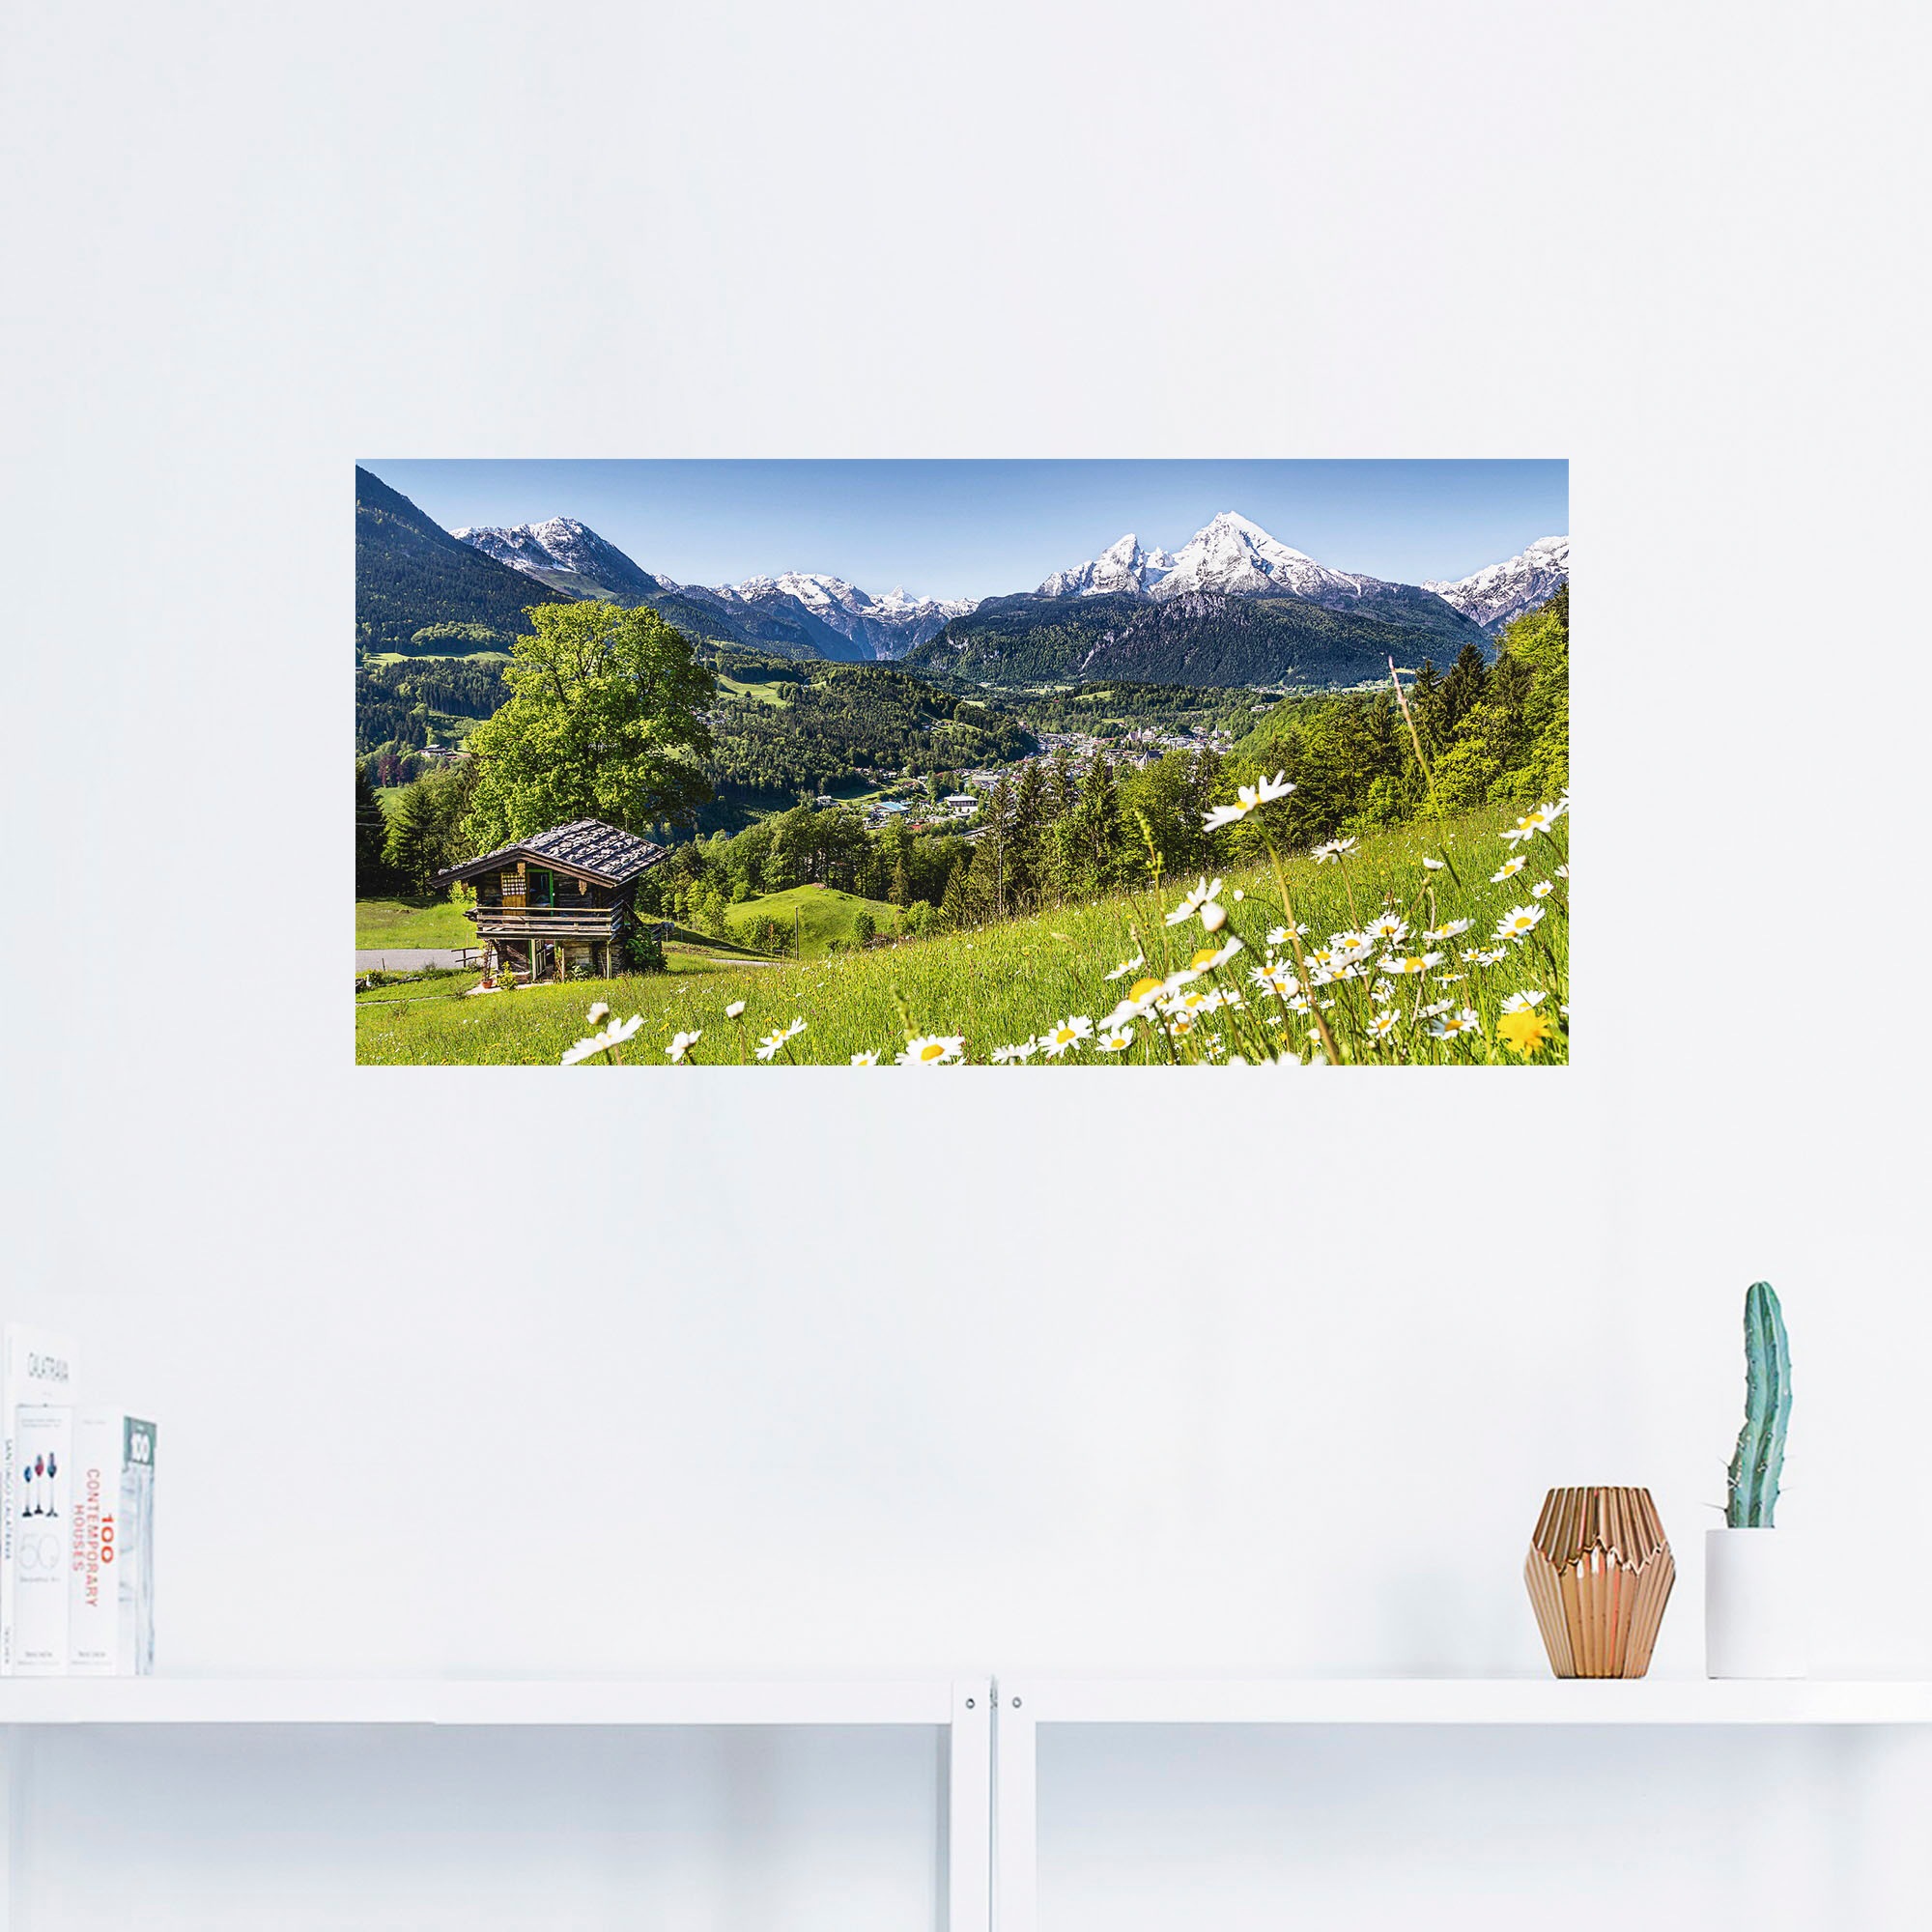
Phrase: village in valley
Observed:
(904, 798)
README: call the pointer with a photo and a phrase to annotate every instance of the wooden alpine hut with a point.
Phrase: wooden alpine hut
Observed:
(563, 897)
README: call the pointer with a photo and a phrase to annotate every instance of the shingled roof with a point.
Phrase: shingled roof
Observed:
(585, 847)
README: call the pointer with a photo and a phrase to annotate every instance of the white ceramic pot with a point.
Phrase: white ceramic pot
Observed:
(1755, 1612)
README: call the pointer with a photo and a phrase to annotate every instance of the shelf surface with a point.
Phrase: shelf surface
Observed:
(217, 1700)
(1441, 1700)
(621, 1701)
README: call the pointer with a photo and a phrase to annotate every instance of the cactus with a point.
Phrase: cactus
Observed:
(1759, 1460)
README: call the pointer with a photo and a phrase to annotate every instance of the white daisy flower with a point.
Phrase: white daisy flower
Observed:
(1455, 1026)
(1126, 966)
(1336, 849)
(1412, 963)
(867, 1059)
(772, 1045)
(1563, 872)
(1519, 922)
(1391, 928)
(1434, 1009)
(1279, 936)
(1520, 1003)
(1450, 928)
(1509, 868)
(1433, 865)
(1541, 819)
(1211, 960)
(1542, 889)
(932, 1049)
(1213, 916)
(613, 1035)
(1066, 1037)
(793, 1031)
(682, 1043)
(1194, 901)
(1246, 799)
(1381, 992)
(736, 1008)
(1117, 1040)
(1382, 1024)
(599, 1012)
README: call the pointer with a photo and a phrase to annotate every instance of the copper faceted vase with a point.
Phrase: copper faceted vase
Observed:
(1598, 1573)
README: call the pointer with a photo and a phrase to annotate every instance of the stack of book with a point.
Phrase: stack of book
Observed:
(77, 1503)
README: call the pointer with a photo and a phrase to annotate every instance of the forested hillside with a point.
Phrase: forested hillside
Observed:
(832, 725)
(1198, 639)
(418, 589)
(404, 706)
(1490, 734)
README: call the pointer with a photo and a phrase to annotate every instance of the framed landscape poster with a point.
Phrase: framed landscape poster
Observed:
(945, 763)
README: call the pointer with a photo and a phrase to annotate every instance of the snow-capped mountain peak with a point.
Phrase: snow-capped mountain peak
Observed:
(558, 544)
(1499, 592)
(816, 592)
(1122, 567)
(1237, 558)
(889, 626)
(1230, 555)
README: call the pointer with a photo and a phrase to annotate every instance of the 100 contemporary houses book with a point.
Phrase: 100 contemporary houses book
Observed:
(77, 1564)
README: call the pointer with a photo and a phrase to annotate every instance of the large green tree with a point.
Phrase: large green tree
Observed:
(418, 836)
(372, 835)
(603, 722)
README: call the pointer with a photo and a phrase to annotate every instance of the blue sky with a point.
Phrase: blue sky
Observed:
(945, 529)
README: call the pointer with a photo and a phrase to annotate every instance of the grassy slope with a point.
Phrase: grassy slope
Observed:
(764, 694)
(482, 654)
(824, 914)
(401, 923)
(995, 985)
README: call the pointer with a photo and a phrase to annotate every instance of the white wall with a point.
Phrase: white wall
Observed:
(853, 1374)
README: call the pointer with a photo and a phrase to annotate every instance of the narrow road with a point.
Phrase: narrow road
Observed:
(411, 958)
(415, 958)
